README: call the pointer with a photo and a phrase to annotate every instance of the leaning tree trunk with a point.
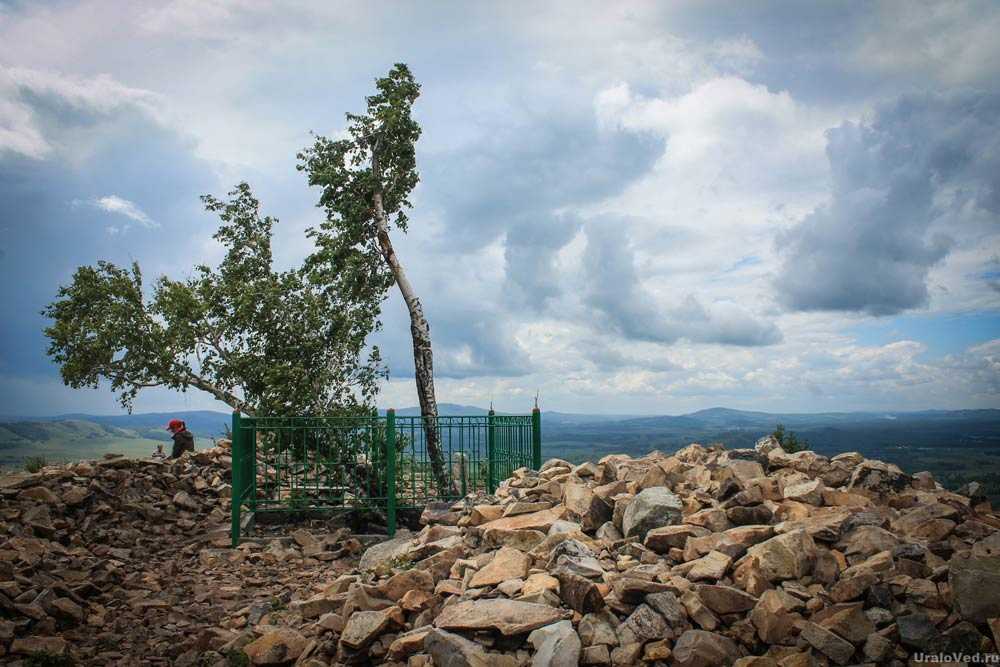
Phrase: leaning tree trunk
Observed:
(423, 357)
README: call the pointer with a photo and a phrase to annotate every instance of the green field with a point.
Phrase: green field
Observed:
(79, 439)
(57, 451)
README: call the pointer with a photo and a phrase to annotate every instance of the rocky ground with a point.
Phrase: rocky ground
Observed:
(705, 557)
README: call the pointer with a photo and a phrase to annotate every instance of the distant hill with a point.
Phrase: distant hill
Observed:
(80, 436)
(956, 445)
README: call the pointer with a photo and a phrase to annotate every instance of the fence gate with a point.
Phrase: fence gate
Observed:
(374, 463)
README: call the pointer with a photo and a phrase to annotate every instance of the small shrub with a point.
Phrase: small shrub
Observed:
(401, 563)
(789, 441)
(35, 463)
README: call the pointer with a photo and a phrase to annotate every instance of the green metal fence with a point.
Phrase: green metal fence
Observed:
(373, 463)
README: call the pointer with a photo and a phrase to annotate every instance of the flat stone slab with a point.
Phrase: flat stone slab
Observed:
(534, 521)
(509, 617)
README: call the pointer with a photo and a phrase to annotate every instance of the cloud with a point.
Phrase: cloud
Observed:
(953, 42)
(524, 183)
(118, 150)
(124, 207)
(693, 139)
(903, 186)
(24, 93)
(615, 291)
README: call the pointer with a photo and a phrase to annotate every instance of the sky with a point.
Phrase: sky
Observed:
(634, 208)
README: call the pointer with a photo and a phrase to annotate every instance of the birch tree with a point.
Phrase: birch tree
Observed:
(264, 342)
(366, 178)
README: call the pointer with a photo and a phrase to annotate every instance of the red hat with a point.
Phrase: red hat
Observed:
(175, 425)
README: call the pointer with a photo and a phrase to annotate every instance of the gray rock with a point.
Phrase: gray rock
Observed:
(451, 650)
(382, 553)
(575, 557)
(599, 628)
(829, 644)
(669, 607)
(651, 508)
(556, 645)
(917, 631)
(975, 586)
(878, 478)
(644, 625)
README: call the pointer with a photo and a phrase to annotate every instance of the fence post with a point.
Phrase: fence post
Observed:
(250, 444)
(491, 476)
(536, 438)
(390, 471)
(238, 468)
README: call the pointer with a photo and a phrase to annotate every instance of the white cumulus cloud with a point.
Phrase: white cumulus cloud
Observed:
(121, 206)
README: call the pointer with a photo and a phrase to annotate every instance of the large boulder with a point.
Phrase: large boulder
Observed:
(788, 556)
(651, 508)
(878, 478)
(975, 587)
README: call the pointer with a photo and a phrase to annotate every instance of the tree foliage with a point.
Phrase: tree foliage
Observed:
(377, 156)
(789, 441)
(260, 340)
(366, 178)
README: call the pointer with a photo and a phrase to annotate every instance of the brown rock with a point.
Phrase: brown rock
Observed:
(581, 502)
(699, 648)
(407, 644)
(400, 583)
(771, 617)
(32, 645)
(809, 492)
(507, 563)
(579, 593)
(712, 566)
(851, 588)
(540, 521)
(837, 649)
(538, 582)
(654, 651)
(725, 599)
(40, 494)
(848, 621)
(508, 617)
(698, 612)
(276, 647)
(787, 556)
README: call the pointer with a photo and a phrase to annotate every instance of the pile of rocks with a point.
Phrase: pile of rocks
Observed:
(124, 561)
(706, 557)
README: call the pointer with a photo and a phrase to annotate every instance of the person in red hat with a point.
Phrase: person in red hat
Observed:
(183, 440)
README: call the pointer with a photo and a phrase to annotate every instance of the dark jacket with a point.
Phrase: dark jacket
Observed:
(183, 442)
